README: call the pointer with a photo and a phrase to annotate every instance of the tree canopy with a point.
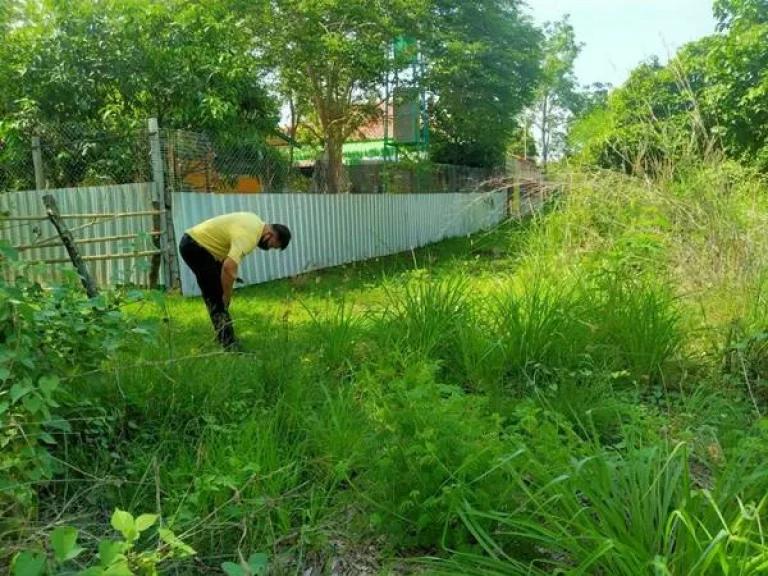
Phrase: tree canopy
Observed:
(484, 63)
(713, 95)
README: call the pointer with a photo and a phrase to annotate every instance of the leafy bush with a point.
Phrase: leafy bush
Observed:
(431, 443)
(114, 557)
(435, 446)
(47, 336)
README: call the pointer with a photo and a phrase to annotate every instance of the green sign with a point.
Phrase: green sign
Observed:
(406, 48)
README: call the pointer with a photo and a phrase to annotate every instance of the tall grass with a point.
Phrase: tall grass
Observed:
(622, 515)
(561, 408)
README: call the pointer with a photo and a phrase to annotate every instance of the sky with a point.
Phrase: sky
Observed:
(620, 34)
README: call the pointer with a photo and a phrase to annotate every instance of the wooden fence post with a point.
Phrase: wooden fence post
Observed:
(69, 243)
(162, 201)
(37, 160)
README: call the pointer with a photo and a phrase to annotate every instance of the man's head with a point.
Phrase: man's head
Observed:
(275, 236)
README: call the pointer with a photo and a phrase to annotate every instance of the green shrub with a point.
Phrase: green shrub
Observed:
(47, 336)
(114, 557)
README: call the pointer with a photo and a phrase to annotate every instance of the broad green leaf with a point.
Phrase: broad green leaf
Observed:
(4, 407)
(258, 562)
(33, 403)
(232, 569)
(109, 550)
(123, 522)
(4, 373)
(119, 569)
(29, 564)
(47, 438)
(64, 543)
(48, 384)
(175, 542)
(19, 390)
(145, 521)
(62, 425)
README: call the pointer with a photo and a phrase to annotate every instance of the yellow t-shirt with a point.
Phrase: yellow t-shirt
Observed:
(232, 235)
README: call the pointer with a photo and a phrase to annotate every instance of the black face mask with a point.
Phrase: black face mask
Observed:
(263, 244)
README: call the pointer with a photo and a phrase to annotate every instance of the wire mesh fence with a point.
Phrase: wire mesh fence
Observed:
(17, 171)
(116, 189)
(72, 156)
(198, 162)
(417, 178)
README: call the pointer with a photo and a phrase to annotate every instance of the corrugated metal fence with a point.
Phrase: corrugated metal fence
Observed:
(329, 230)
(98, 203)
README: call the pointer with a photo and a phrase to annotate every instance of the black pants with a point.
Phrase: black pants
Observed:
(207, 270)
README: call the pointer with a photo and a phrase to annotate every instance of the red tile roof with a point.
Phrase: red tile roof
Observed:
(373, 130)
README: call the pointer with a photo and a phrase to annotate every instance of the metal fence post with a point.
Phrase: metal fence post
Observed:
(162, 201)
(37, 159)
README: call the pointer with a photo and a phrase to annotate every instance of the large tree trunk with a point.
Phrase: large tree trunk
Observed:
(334, 176)
(294, 125)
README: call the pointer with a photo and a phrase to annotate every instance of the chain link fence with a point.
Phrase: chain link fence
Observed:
(197, 162)
(17, 171)
(416, 178)
(72, 156)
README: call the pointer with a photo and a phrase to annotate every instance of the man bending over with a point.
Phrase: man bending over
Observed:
(214, 249)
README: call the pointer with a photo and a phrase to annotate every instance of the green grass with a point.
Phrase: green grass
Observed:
(553, 395)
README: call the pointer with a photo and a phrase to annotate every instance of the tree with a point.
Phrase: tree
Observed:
(188, 63)
(483, 64)
(712, 94)
(80, 67)
(649, 122)
(590, 98)
(734, 14)
(737, 81)
(556, 96)
(334, 54)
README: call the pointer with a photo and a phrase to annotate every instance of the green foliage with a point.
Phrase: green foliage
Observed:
(556, 96)
(428, 315)
(104, 68)
(323, 59)
(513, 404)
(736, 88)
(522, 143)
(435, 446)
(735, 13)
(46, 336)
(256, 565)
(711, 96)
(622, 515)
(113, 557)
(483, 63)
(649, 122)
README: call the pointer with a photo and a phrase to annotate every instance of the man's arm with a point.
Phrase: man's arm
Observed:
(228, 276)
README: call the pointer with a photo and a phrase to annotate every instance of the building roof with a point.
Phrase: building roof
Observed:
(376, 129)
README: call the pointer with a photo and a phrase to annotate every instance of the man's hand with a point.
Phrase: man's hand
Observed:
(228, 276)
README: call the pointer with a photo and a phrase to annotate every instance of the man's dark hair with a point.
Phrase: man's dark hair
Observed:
(283, 235)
